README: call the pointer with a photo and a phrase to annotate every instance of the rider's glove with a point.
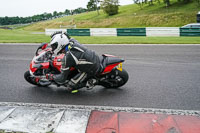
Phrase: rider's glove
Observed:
(49, 76)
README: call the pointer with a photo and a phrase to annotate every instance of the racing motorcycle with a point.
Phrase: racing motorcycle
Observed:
(112, 76)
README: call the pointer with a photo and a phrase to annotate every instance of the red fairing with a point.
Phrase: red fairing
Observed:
(45, 65)
(45, 46)
(57, 61)
(109, 68)
(32, 68)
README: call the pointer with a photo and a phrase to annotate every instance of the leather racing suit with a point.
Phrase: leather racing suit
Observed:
(86, 61)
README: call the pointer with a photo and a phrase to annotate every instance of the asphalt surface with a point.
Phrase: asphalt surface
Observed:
(160, 76)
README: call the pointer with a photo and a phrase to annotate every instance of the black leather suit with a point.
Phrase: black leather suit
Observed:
(86, 61)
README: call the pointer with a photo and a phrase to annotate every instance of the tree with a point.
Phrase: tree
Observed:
(110, 7)
(55, 14)
(93, 5)
(140, 2)
(198, 1)
(67, 12)
(167, 2)
(60, 14)
(49, 16)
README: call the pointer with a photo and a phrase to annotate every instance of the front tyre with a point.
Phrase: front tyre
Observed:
(31, 80)
(28, 78)
(121, 78)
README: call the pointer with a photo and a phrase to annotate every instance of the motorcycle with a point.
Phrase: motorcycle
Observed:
(112, 76)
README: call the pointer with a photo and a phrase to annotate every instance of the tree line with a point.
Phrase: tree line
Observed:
(109, 6)
(167, 2)
(41, 17)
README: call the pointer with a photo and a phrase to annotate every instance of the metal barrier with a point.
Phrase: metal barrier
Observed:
(51, 31)
(149, 31)
(189, 31)
(103, 32)
(163, 31)
(131, 32)
(78, 32)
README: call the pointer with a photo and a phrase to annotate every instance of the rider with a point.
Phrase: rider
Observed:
(86, 61)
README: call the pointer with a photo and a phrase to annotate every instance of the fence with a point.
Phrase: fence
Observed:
(131, 32)
(189, 31)
(78, 32)
(149, 31)
(51, 31)
(163, 31)
(103, 32)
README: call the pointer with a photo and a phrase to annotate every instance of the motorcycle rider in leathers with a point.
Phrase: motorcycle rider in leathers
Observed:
(86, 61)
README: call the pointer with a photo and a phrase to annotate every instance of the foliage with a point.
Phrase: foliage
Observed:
(110, 7)
(91, 6)
(167, 3)
(45, 16)
(79, 10)
(67, 12)
(198, 1)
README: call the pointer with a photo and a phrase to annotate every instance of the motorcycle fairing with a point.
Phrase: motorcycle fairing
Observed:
(109, 62)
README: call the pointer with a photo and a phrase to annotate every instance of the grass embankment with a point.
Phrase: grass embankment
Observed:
(20, 36)
(129, 16)
(157, 15)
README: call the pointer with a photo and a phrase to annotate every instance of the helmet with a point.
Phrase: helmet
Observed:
(58, 41)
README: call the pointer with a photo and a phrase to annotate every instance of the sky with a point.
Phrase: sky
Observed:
(24, 8)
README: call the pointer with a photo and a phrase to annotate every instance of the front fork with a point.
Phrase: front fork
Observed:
(40, 80)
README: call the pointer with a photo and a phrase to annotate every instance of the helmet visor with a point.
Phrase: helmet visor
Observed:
(54, 46)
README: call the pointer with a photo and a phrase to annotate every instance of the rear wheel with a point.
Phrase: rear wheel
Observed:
(118, 79)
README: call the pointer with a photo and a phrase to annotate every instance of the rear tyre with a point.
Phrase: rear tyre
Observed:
(120, 79)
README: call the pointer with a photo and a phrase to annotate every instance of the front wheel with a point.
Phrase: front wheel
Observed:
(31, 80)
(116, 79)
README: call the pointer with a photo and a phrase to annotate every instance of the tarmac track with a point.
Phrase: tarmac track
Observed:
(161, 76)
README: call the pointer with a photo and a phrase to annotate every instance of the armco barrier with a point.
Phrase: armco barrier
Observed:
(78, 32)
(51, 31)
(131, 32)
(189, 31)
(149, 31)
(103, 32)
(163, 31)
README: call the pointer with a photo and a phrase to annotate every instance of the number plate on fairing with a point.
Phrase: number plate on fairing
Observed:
(119, 67)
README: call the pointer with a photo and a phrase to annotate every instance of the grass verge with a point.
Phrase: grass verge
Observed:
(139, 40)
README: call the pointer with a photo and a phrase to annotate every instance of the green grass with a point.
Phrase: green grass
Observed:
(20, 36)
(139, 40)
(158, 15)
